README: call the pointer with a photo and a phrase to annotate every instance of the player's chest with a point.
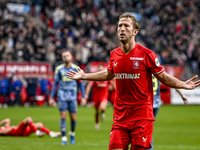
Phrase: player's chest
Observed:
(128, 64)
(63, 74)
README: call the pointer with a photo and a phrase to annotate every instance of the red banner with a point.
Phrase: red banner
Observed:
(93, 66)
(25, 68)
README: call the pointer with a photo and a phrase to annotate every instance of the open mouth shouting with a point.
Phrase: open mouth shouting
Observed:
(122, 35)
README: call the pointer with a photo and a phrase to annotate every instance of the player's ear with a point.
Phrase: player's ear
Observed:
(135, 32)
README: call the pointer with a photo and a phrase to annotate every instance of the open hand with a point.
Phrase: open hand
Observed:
(190, 84)
(76, 75)
(51, 102)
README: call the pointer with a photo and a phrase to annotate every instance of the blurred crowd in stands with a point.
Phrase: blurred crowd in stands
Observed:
(16, 90)
(88, 27)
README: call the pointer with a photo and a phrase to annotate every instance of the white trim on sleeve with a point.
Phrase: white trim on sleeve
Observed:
(159, 72)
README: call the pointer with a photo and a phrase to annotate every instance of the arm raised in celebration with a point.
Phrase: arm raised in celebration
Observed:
(97, 76)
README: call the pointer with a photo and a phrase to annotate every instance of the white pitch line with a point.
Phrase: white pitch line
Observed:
(185, 147)
(156, 146)
(178, 147)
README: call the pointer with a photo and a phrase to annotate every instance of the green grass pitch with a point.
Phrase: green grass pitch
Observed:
(176, 128)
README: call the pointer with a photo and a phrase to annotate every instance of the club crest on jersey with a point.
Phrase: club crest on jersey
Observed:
(136, 64)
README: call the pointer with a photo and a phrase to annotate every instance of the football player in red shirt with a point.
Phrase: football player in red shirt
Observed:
(133, 65)
(100, 95)
(25, 128)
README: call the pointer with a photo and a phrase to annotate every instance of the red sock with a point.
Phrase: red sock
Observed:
(46, 130)
(32, 126)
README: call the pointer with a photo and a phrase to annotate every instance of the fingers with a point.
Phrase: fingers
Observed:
(193, 78)
(74, 72)
(79, 69)
(51, 103)
(71, 74)
(185, 101)
(197, 83)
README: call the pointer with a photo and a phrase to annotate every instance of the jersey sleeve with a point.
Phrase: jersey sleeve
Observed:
(154, 64)
(110, 65)
(57, 76)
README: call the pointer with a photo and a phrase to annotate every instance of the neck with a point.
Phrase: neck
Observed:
(127, 47)
(67, 65)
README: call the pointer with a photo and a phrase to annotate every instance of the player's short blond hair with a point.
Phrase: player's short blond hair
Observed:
(135, 22)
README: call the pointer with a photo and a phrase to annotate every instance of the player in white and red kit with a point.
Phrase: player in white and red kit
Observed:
(100, 95)
(133, 66)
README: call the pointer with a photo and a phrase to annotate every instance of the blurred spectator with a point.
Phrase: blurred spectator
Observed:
(17, 87)
(171, 28)
(44, 88)
(10, 80)
(32, 82)
(4, 85)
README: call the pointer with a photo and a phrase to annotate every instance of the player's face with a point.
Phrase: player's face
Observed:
(125, 30)
(67, 57)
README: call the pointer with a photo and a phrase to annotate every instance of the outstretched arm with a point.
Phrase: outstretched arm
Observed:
(185, 100)
(97, 76)
(173, 82)
(4, 132)
(5, 122)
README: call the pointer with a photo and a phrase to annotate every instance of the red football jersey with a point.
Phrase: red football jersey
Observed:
(134, 87)
(100, 90)
(3, 128)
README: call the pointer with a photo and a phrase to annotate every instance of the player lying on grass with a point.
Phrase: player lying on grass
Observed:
(25, 128)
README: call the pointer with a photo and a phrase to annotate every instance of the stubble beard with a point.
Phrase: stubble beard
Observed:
(67, 62)
(125, 40)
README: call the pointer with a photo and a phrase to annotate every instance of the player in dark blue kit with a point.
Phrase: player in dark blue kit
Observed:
(157, 99)
(4, 85)
(67, 95)
(44, 84)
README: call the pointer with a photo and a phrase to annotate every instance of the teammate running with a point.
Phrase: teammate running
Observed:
(100, 97)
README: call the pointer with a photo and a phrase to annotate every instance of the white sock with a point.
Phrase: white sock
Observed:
(64, 138)
(71, 133)
(51, 133)
(37, 132)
